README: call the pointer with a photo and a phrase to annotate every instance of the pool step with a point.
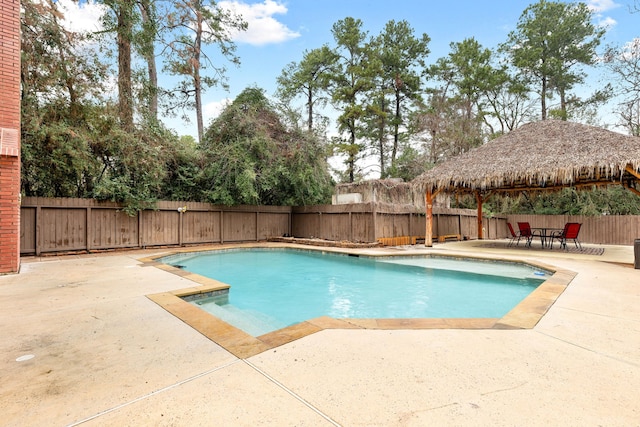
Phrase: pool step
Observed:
(251, 321)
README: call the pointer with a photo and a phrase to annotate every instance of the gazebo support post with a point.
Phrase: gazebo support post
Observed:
(428, 203)
(480, 203)
(428, 235)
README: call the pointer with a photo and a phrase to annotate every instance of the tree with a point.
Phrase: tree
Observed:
(400, 57)
(61, 82)
(145, 42)
(463, 103)
(250, 157)
(308, 79)
(624, 62)
(349, 81)
(551, 41)
(122, 22)
(195, 25)
(509, 104)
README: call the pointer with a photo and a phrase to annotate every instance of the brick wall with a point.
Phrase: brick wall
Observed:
(9, 136)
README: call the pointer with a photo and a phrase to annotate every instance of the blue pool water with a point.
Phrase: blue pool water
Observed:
(275, 288)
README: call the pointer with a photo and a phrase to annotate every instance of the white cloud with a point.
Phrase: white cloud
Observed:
(81, 17)
(263, 28)
(607, 22)
(211, 110)
(599, 6)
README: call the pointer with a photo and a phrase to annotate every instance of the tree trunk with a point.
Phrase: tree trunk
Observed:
(543, 99)
(563, 103)
(197, 83)
(396, 131)
(125, 91)
(381, 136)
(149, 55)
(310, 110)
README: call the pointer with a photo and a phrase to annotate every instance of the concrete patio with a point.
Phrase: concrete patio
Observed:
(82, 344)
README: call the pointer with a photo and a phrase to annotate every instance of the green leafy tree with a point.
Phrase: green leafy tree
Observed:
(508, 104)
(624, 63)
(75, 143)
(400, 58)
(192, 25)
(121, 20)
(350, 80)
(464, 78)
(135, 164)
(552, 40)
(145, 42)
(61, 81)
(250, 157)
(614, 200)
(308, 79)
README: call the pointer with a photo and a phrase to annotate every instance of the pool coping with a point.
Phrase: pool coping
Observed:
(525, 315)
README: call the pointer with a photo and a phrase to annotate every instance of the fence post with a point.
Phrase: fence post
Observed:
(257, 225)
(88, 235)
(140, 230)
(221, 225)
(374, 219)
(180, 226)
(38, 234)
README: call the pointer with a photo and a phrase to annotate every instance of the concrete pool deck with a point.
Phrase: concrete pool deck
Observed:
(83, 344)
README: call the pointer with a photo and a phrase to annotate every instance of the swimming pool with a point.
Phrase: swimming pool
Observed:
(275, 288)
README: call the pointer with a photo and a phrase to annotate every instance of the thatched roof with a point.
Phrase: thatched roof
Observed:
(540, 156)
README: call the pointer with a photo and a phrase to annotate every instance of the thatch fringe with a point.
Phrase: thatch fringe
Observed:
(538, 155)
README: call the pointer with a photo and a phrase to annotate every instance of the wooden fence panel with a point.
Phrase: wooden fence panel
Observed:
(28, 229)
(160, 228)
(201, 227)
(62, 229)
(418, 225)
(239, 226)
(469, 227)
(392, 225)
(446, 225)
(272, 225)
(362, 227)
(110, 228)
(336, 226)
(305, 224)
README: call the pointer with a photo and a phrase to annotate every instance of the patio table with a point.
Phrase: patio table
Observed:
(546, 234)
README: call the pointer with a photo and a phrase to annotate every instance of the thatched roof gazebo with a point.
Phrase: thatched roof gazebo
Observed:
(540, 156)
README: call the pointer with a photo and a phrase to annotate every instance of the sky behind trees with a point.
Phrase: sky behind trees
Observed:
(280, 31)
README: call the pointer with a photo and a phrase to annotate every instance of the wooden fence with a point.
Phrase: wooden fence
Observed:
(369, 222)
(68, 225)
(63, 225)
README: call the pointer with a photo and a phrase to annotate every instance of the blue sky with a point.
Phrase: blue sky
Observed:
(281, 30)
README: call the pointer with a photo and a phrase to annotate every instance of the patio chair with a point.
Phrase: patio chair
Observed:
(515, 237)
(525, 232)
(570, 232)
